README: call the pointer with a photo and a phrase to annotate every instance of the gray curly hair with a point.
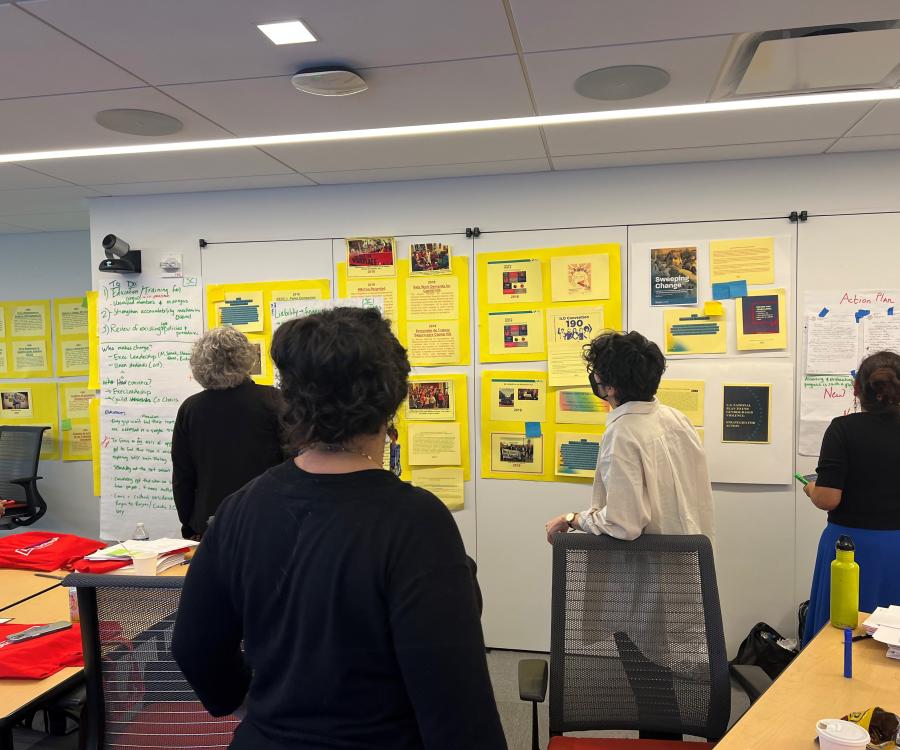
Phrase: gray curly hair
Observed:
(222, 358)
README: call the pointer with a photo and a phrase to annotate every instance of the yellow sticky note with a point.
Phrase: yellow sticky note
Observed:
(579, 277)
(514, 281)
(434, 343)
(713, 308)
(434, 443)
(685, 395)
(444, 483)
(751, 259)
(516, 332)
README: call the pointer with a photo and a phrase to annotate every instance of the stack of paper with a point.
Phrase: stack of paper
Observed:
(169, 552)
(884, 626)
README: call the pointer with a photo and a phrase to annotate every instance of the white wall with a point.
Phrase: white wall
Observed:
(43, 266)
(612, 197)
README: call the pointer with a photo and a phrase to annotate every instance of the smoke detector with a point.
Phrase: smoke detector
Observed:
(329, 82)
(851, 56)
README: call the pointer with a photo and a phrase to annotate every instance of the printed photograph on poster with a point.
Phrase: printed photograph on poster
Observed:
(429, 257)
(371, 256)
(762, 321)
(430, 400)
(520, 332)
(673, 276)
(694, 334)
(516, 454)
(579, 277)
(514, 281)
(16, 404)
(518, 400)
(580, 406)
(576, 454)
(684, 395)
(260, 351)
(746, 413)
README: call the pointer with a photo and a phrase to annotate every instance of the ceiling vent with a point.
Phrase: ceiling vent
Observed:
(816, 58)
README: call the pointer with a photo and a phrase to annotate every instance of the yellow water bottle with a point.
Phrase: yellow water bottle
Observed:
(844, 585)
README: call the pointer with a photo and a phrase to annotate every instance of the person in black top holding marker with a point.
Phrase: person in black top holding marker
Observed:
(348, 588)
(857, 485)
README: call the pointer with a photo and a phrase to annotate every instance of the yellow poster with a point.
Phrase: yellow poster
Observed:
(32, 404)
(430, 344)
(749, 259)
(384, 288)
(432, 298)
(371, 256)
(684, 395)
(445, 483)
(761, 320)
(514, 281)
(579, 406)
(690, 333)
(514, 453)
(434, 443)
(25, 339)
(518, 399)
(262, 364)
(519, 332)
(576, 453)
(569, 330)
(75, 421)
(93, 341)
(430, 399)
(574, 278)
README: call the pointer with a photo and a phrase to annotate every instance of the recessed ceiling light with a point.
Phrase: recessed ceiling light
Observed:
(138, 122)
(622, 82)
(287, 32)
(471, 126)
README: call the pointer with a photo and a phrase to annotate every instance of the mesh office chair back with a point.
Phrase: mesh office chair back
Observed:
(636, 636)
(20, 452)
(137, 696)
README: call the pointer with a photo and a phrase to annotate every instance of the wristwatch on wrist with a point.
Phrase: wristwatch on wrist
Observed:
(570, 517)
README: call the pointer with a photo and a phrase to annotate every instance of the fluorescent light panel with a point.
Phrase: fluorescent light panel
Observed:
(780, 102)
(287, 32)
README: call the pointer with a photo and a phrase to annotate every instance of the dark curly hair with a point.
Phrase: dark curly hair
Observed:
(343, 374)
(628, 362)
(878, 382)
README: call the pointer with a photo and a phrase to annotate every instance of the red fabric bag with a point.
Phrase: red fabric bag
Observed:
(42, 550)
(99, 566)
(39, 657)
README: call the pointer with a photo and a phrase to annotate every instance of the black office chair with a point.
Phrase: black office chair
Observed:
(636, 642)
(20, 452)
(137, 696)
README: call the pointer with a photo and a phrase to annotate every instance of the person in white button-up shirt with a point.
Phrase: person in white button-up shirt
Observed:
(652, 476)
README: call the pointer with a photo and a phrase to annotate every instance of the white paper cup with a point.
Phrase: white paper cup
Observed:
(144, 564)
(837, 734)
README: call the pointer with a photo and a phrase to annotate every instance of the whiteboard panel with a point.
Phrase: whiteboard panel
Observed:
(237, 262)
(514, 558)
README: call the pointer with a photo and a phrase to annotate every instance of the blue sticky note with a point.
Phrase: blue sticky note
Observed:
(890, 311)
(729, 289)
(823, 312)
(861, 314)
(533, 429)
(853, 374)
(739, 288)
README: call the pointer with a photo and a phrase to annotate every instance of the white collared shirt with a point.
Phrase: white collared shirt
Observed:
(651, 475)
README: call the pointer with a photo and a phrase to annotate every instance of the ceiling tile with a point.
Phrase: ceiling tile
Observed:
(60, 222)
(107, 170)
(418, 151)
(683, 155)
(693, 66)
(402, 95)
(47, 62)
(196, 186)
(567, 24)
(867, 143)
(759, 126)
(16, 203)
(173, 41)
(55, 122)
(13, 229)
(882, 119)
(514, 166)
(13, 177)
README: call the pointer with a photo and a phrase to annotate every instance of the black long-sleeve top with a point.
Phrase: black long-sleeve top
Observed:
(222, 439)
(357, 612)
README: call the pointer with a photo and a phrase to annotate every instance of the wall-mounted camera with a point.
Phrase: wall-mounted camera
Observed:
(120, 258)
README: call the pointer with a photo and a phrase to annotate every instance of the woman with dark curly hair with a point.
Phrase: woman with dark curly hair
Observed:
(348, 587)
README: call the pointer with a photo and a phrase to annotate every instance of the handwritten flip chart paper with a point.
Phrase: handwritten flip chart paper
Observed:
(831, 345)
(822, 398)
(147, 327)
(881, 334)
(284, 310)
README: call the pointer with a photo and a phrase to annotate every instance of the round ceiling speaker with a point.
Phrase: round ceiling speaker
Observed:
(138, 122)
(329, 82)
(622, 82)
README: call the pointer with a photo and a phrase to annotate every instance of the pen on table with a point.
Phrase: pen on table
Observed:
(848, 652)
(47, 575)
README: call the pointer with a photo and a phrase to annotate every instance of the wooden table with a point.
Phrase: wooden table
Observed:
(16, 585)
(49, 606)
(813, 687)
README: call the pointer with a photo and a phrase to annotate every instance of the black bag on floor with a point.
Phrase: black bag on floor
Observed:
(761, 648)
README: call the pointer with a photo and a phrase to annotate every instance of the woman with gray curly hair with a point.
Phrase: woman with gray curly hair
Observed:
(227, 434)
